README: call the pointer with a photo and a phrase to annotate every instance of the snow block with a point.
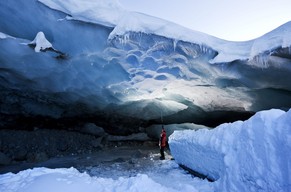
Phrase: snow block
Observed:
(253, 155)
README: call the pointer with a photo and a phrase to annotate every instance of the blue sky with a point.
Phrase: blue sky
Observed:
(235, 20)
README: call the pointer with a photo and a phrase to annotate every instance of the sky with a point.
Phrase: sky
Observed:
(235, 20)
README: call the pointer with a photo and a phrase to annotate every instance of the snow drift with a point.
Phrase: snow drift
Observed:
(42, 179)
(253, 155)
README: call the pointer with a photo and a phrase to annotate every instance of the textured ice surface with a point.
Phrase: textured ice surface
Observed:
(134, 65)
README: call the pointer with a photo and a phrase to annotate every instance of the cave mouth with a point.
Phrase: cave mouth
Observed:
(30, 140)
(116, 124)
(23, 149)
(210, 119)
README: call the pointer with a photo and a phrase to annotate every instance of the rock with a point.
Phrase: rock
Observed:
(62, 146)
(20, 155)
(138, 154)
(151, 143)
(97, 142)
(37, 157)
(92, 129)
(42, 156)
(119, 160)
(30, 157)
(4, 159)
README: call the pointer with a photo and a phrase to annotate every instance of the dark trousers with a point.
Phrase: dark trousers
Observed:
(162, 149)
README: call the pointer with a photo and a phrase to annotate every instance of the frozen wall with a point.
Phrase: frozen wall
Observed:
(126, 66)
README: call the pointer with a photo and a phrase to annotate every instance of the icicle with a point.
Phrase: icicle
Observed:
(175, 44)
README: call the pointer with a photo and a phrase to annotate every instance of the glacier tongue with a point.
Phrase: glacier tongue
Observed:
(122, 75)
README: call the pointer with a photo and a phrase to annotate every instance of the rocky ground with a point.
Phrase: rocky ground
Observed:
(22, 149)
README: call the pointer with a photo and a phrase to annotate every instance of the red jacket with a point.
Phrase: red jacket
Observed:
(163, 139)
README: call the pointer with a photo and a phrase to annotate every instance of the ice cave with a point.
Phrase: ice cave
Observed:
(98, 69)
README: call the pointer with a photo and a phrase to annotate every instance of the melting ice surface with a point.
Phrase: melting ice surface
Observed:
(107, 59)
(242, 156)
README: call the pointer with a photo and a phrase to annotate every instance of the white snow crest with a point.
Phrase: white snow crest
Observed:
(111, 13)
(242, 156)
(105, 12)
(40, 42)
(60, 180)
(4, 36)
(279, 37)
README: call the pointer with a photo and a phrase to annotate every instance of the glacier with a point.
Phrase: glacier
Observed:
(123, 70)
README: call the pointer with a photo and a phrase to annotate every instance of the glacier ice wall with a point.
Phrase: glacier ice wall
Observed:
(123, 81)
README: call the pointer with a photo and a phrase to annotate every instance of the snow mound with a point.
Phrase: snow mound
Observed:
(40, 42)
(163, 176)
(253, 155)
(44, 179)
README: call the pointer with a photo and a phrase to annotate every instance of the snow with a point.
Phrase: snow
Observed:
(4, 36)
(103, 12)
(111, 13)
(43, 179)
(40, 42)
(168, 178)
(242, 156)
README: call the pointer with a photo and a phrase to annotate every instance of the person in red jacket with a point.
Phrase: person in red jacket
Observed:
(163, 143)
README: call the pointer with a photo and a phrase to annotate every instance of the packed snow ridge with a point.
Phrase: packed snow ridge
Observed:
(253, 155)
